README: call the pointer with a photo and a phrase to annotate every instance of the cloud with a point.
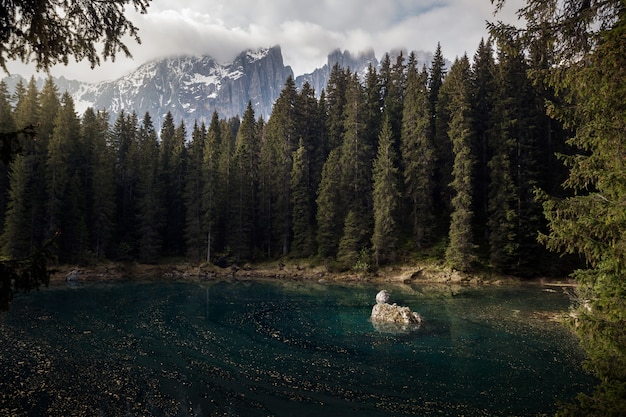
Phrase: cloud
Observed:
(306, 30)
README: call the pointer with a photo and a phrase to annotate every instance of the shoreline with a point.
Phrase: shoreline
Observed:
(296, 271)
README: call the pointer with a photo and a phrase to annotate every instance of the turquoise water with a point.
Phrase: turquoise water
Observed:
(284, 349)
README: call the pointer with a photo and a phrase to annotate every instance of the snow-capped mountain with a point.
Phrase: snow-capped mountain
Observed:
(358, 63)
(193, 87)
(190, 87)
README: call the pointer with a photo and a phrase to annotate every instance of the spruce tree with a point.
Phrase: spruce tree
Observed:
(195, 238)
(7, 125)
(418, 156)
(303, 211)
(330, 207)
(386, 198)
(243, 215)
(356, 173)
(335, 102)
(150, 214)
(514, 214)
(25, 222)
(588, 40)
(124, 139)
(101, 185)
(483, 97)
(461, 248)
(211, 182)
(281, 139)
(172, 177)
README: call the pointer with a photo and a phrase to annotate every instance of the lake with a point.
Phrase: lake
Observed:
(270, 348)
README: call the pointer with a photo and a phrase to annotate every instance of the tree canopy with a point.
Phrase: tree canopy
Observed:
(49, 32)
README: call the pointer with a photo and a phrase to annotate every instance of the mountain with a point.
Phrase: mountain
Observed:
(190, 87)
(193, 87)
(358, 63)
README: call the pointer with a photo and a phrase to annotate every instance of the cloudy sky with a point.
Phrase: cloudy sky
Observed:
(306, 30)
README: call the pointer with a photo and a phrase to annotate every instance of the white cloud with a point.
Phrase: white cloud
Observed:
(306, 30)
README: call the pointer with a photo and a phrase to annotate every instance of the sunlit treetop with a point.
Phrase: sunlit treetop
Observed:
(48, 32)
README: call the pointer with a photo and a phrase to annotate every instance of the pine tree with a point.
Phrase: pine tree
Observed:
(483, 90)
(7, 125)
(514, 214)
(303, 211)
(330, 216)
(49, 99)
(435, 81)
(373, 106)
(461, 249)
(393, 82)
(194, 184)
(210, 192)
(386, 198)
(588, 41)
(335, 102)
(95, 132)
(418, 156)
(25, 224)
(243, 217)
(350, 244)
(172, 177)
(225, 183)
(66, 210)
(444, 158)
(356, 173)
(150, 214)
(281, 139)
(124, 140)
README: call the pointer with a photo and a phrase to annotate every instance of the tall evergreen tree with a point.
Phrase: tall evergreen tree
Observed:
(24, 221)
(303, 211)
(281, 139)
(393, 82)
(483, 91)
(356, 172)
(439, 101)
(373, 106)
(150, 214)
(589, 43)
(330, 215)
(335, 102)
(124, 139)
(514, 214)
(101, 185)
(243, 217)
(386, 197)
(172, 173)
(195, 238)
(418, 156)
(7, 125)
(211, 182)
(461, 249)
(66, 210)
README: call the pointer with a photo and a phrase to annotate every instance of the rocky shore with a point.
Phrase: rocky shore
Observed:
(428, 273)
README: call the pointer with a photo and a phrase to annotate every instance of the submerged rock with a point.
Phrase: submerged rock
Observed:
(385, 313)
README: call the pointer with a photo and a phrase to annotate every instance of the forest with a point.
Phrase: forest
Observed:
(388, 167)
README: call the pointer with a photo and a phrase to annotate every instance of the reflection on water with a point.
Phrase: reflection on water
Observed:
(271, 349)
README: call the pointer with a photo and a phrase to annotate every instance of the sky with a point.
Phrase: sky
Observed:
(306, 30)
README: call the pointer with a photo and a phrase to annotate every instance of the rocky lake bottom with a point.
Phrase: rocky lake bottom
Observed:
(275, 348)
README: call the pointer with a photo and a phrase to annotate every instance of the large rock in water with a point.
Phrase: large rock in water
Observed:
(392, 317)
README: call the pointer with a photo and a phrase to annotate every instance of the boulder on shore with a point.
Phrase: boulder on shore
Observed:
(383, 312)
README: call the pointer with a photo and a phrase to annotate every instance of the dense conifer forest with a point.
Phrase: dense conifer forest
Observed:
(398, 164)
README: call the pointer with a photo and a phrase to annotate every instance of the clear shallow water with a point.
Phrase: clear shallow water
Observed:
(290, 349)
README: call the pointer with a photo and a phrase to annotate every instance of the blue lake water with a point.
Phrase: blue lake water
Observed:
(284, 349)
